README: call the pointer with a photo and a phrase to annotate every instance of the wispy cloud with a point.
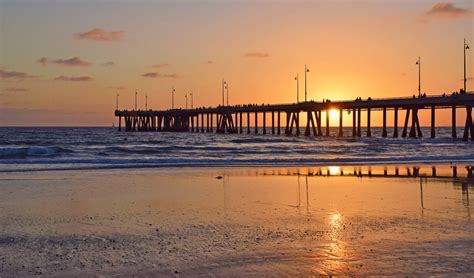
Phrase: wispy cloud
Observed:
(98, 34)
(160, 75)
(109, 64)
(15, 90)
(159, 66)
(15, 74)
(117, 88)
(447, 10)
(74, 78)
(256, 55)
(71, 62)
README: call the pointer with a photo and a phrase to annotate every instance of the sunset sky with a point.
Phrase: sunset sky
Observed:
(62, 62)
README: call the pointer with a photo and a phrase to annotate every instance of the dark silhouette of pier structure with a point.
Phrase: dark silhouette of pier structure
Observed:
(229, 119)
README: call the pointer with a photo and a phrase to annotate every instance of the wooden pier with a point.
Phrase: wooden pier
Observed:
(229, 119)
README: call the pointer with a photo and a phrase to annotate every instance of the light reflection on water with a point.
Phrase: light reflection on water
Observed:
(334, 170)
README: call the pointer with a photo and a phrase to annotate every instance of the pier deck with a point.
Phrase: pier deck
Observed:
(228, 119)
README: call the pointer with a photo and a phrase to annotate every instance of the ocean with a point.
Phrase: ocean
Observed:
(98, 202)
(76, 148)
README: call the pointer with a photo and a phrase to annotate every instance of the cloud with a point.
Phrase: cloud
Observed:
(209, 62)
(74, 78)
(256, 55)
(15, 90)
(447, 10)
(109, 64)
(14, 74)
(160, 75)
(422, 21)
(117, 88)
(157, 66)
(467, 79)
(98, 34)
(150, 74)
(71, 62)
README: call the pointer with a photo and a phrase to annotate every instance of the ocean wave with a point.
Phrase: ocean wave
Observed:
(33, 151)
(61, 148)
(89, 164)
(257, 139)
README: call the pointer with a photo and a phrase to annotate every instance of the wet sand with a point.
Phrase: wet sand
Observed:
(237, 222)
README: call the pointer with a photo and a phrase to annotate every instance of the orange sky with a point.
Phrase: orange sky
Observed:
(63, 62)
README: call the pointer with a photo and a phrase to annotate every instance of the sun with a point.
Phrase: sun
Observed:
(333, 113)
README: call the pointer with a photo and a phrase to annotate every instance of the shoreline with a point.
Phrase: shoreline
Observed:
(236, 166)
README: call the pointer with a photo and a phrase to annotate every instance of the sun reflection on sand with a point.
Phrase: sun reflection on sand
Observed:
(335, 220)
(334, 262)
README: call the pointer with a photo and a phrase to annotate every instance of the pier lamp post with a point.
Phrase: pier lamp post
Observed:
(146, 102)
(172, 97)
(227, 92)
(297, 88)
(186, 97)
(136, 93)
(418, 62)
(116, 101)
(223, 85)
(192, 96)
(306, 70)
(466, 46)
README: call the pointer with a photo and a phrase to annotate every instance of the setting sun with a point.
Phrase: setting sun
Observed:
(333, 113)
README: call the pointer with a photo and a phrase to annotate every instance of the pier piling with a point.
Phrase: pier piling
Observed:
(354, 123)
(395, 122)
(369, 132)
(384, 122)
(341, 133)
(327, 122)
(433, 131)
(453, 123)
(359, 123)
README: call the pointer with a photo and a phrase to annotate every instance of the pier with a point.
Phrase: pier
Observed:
(229, 119)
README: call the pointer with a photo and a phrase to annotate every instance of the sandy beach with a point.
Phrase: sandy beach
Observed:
(237, 222)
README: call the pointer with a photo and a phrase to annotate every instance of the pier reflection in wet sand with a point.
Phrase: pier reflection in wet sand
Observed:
(389, 219)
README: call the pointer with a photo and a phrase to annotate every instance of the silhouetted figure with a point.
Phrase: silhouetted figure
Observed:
(469, 171)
